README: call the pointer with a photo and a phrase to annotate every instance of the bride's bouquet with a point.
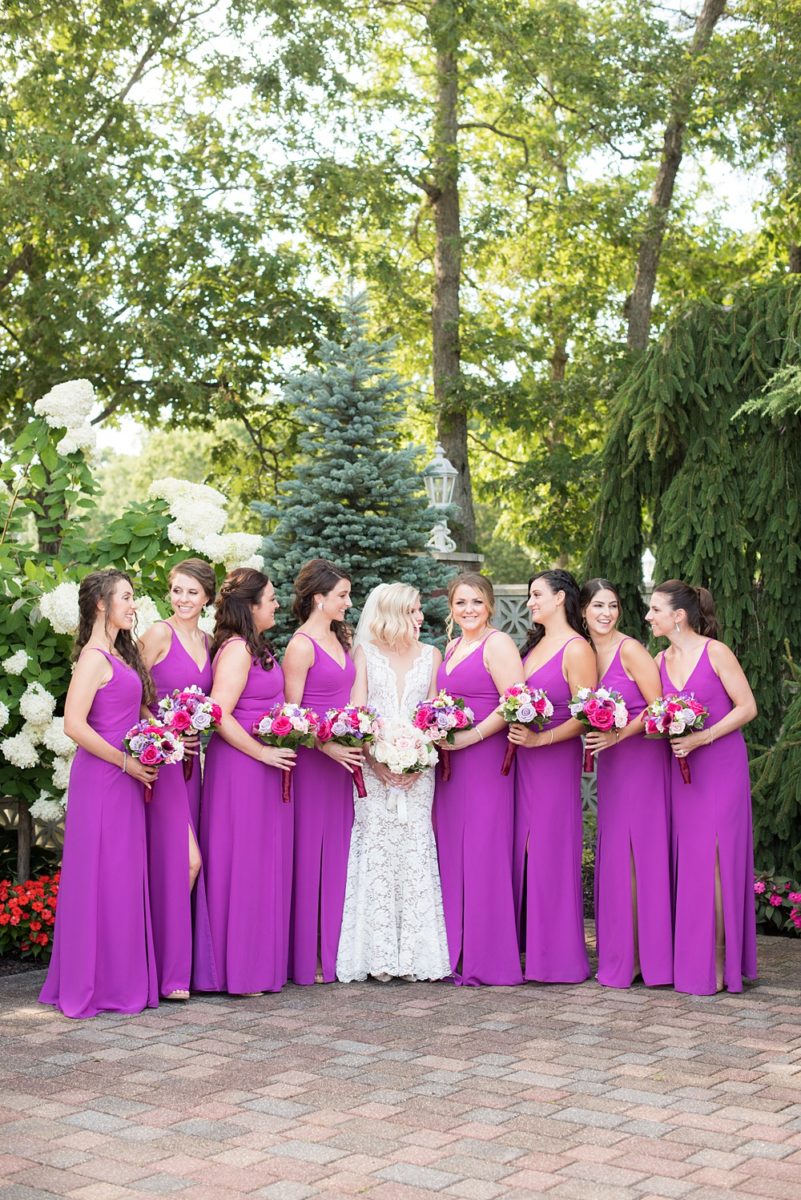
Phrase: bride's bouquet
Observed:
(675, 715)
(440, 719)
(287, 726)
(522, 705)
(601, 709)
(405, 751)
(353, 725)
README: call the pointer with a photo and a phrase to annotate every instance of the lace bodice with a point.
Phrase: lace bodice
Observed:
(382, 682)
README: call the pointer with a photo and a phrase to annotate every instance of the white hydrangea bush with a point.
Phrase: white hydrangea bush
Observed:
(199, 514)
(68, 406)
(20, 750)
(48, 808)
(147, 614)
(37, 705)
(60, 607)
(16, 663)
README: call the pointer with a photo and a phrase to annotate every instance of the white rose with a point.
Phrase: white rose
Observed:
(61, 773)
(56, 739)
(19, 751)
(47, 807)
(60, 607)
(4, 715)
(37, 705)
(17, 663)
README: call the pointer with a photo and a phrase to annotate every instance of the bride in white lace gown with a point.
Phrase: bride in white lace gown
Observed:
(393, 925)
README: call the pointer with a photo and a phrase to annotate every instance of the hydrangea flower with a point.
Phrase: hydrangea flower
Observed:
(56, 739)
(37, 705)
(60, 607)
(16, 663)
(61, 773)
(146, 614)
(68, 406)
(4, 715)
(206, 620)
(47, 807)
(19, 751)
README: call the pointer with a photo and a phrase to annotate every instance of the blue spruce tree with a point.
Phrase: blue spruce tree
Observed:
(356, 497)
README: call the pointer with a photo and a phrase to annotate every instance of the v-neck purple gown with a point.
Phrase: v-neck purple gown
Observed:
(323, 804)
(246, 843)
(473, 821)
(633, 823)
(548, 844)
(173, 810)
(712, 812)
(103, 957)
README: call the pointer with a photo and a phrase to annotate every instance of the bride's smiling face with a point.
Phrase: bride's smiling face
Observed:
(416, 617)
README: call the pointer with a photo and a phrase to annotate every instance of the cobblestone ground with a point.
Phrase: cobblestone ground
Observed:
(407, 1090)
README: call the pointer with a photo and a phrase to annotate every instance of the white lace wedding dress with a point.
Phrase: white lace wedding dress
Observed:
(393, 923)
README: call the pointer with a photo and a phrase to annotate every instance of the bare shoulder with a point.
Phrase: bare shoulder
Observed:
(721, 657)
(658, 657)
(633, 654)
(499, 643)
(357, 654)
(579, 653)
(159, 634)
(299, 652)
(92, 666)
(436, 656)
(234, 653)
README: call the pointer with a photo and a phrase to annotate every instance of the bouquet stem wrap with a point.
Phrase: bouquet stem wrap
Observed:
(286, 786)
(188, 765)
(589, 762)
(684, 767)
(508, 758)
(358, 782)
(444, 762)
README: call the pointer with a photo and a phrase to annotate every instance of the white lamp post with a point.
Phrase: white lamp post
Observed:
(439, 478)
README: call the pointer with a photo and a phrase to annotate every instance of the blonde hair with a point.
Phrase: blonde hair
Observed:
(391, 622)
(472, 579)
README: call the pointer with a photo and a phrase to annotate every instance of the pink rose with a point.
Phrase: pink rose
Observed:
(324, 730)
(216, 713)
(603, 718)
(540, 704)
(591, 706)
(460, 720)
(282, 726)
(179, 721)
(150, 756)
(513, 691)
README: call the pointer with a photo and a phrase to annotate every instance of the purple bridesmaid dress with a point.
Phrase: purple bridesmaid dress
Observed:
(473, 820)
(173, 810)
(246, 844)
(712, 812)
(548, 844)
(103, 957)
(323, 803)
(633, 822)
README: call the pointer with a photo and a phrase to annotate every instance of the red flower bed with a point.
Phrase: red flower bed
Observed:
(27, 915)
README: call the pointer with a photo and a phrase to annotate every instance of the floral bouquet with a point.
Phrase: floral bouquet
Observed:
(675, 715)
(189, 711)
(154, 745)
(353, 725)
(598, 708)
(405, 751)
(522, 705)
(439, 719)
(287, 726)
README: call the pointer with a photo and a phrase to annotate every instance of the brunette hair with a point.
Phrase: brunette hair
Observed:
(97, 587)
(558, 581)
(318, 576)
(591, 588)
(241, 588)
(199, 570)
(473, 579)
(697, 602)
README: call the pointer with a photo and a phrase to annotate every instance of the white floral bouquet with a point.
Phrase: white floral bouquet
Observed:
(404, 749)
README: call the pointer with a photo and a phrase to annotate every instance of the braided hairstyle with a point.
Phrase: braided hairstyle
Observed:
(558, 581)
(99, 587)
(241, 588)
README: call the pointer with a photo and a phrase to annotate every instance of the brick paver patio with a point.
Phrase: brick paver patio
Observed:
(408, 1090)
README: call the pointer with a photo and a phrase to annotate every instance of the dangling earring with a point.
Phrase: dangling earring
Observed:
(319, 606)
(676, 626)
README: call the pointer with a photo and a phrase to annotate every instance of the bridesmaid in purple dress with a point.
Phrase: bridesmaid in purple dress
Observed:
(473, 812)
(320, 674)
(177, 653)
(713, 856)
(245, 828)
(548, 825)
(103, 947)
(633, 917)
